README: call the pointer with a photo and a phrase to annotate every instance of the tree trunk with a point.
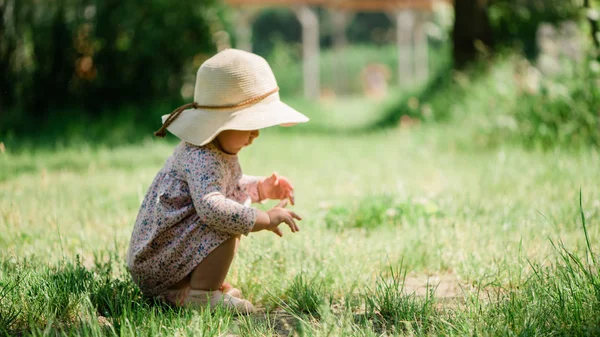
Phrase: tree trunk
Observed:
(594, 26)
(471, 24)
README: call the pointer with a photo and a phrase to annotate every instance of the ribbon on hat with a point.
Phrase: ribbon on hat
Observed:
(173, 115)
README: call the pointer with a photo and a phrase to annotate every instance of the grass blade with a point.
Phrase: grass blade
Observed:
(587, 237)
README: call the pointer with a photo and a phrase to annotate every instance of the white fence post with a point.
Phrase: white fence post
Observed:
(311, 49)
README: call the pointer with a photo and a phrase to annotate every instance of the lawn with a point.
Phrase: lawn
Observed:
(406, 231)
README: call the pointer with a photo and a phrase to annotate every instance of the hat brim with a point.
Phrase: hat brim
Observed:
(200, 126)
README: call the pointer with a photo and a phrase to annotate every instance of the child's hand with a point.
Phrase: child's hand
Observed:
(279, 215)
(276, 187)
(276, 216)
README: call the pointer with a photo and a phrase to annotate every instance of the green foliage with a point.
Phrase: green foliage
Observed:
(56, 293)
(564, 111)
(273, 25)
(380, 211)
(96, 54)
(62, 288)
(286, 61)
(251, 325)
(37, 295)
(538, 110)
(428, 104)
(515, 22)
(8, 310)
(390, 306)
(114, 297)
(281, 24)
(306, 296)
(371, 27)
(126, 124)
(561, 299)
(510, 101)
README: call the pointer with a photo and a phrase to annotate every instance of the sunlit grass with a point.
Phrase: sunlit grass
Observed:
(504, 224)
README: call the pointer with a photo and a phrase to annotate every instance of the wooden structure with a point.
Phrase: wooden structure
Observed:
(409, 17)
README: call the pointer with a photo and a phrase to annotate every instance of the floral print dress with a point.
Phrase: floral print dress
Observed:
(198, 200)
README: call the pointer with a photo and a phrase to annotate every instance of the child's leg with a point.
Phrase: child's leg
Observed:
(211, 272)
(206, 281)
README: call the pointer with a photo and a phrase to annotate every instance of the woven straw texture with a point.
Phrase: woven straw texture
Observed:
(235, 90)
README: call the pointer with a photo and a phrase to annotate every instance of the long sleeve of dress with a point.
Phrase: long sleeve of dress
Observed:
(249, 184)
(213, 207)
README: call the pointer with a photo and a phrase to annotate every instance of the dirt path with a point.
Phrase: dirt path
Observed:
(445, 287)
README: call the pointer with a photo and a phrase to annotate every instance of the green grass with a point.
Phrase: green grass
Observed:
(501, 230)
(306, 296)
(508, 100)
(389, 306)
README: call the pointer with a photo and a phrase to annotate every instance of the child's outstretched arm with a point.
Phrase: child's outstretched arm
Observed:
(208, 191)
(216, 210)
(249, 184)
(276, 187)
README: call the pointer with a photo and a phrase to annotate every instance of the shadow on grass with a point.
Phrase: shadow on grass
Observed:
(36, 296)
(71, 127)
(133, 124)
(429, 104)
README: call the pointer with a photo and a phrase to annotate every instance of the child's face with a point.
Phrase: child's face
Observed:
(232, 141)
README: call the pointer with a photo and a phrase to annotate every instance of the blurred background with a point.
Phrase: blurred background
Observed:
(104, 71)
(454, 141)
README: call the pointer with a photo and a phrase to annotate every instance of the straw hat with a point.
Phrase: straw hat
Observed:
(235, 90)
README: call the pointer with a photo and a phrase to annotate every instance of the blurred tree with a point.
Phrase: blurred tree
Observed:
(96, 54)
(272, 26)
(515, 22)
(371, 27)
(488, 24)
(277, 25)
(593, 17)
(472, 30)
